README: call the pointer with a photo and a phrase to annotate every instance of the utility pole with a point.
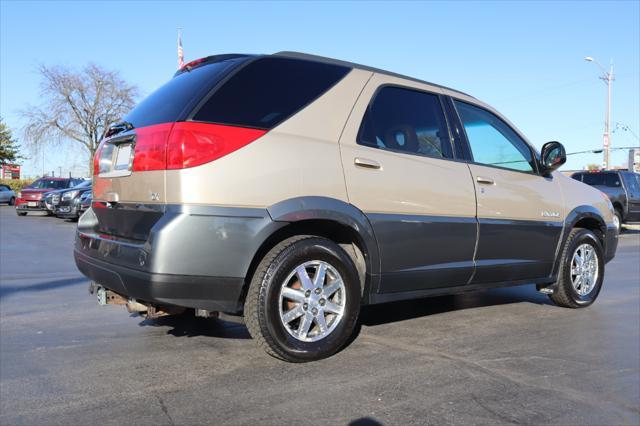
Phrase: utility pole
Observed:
(607, 77)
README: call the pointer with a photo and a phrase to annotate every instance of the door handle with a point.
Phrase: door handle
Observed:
(366, 163)
(485, 181)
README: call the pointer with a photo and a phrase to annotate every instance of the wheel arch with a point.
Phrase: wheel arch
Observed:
(584, 216)
(327, 217)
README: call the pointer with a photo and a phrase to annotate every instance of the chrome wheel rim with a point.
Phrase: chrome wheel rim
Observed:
(584, 269)
(616, 222)
(312, 301)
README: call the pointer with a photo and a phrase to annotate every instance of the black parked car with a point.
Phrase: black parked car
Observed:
(623, 189)
(85, 201)
(51, 200)
(69, 206)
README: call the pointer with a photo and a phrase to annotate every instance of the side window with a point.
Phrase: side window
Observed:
(492, 141)
(613, 180)
(408, 121)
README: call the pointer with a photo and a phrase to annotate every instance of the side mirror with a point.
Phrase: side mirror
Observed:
(553, 155)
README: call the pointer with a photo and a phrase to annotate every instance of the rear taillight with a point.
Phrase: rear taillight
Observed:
(187, 144)
(96, 159)
(151, 147)
(192, 144)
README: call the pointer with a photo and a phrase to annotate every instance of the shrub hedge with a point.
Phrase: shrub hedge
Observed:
(16, 184)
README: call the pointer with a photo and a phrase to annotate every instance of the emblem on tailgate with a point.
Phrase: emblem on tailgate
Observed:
(154, 196)
(550, 214)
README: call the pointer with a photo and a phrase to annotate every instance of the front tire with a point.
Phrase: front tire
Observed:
(617, 220)
(581, 270)
(21, 213)
(304, 299)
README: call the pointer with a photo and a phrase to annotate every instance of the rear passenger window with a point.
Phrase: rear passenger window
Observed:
(267, 91)
(492, 141)
(408, 121)
(594, 179)
(613, 180)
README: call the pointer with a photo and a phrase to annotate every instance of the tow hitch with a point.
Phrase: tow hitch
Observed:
(149, 311)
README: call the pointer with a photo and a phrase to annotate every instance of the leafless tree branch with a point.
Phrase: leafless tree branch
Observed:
(77, 106)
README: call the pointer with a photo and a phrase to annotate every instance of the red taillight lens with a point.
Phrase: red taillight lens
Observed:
(192, 144)
(98, 205)
(187, 144)
(96, 159)
(151, 147)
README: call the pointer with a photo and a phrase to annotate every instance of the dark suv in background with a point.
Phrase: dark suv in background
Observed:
(69, 204)
(622, 188)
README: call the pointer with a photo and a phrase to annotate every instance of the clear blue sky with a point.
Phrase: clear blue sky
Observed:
(524, 58)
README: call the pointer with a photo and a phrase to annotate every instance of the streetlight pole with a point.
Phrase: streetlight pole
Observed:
(607, 77)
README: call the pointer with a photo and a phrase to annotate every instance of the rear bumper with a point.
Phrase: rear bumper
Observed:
(193, 256)
(200, 292)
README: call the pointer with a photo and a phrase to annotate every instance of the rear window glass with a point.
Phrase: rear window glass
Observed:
(49, 183)
(183, 91)
(267, 91)
(601, 179)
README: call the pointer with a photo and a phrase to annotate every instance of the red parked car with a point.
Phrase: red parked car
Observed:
(30, 198)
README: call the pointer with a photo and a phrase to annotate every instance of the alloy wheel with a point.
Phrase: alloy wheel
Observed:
(584, 269)
(312, 301)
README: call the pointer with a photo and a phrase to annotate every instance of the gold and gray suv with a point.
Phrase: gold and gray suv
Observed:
(294, 189)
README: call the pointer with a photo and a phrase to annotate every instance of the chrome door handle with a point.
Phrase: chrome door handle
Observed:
(366, 163)
(485, 181)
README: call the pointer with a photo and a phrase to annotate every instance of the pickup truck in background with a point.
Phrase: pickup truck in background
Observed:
(622, 188)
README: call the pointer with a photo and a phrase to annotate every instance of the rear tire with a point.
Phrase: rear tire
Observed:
(581, 270)
(303, 281)
(12, 201)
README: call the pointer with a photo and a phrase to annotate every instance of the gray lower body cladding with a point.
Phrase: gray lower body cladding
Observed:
(192, 256)
(199, 256)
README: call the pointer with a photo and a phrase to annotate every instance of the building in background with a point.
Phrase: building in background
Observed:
(10, 171)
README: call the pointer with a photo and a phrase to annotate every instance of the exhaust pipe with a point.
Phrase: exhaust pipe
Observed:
(108, 297)
(136, 307)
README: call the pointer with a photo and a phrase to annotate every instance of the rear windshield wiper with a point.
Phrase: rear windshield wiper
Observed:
(122, 126)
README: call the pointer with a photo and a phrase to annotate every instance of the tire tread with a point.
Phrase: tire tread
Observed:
(561, 295)
(253, 307)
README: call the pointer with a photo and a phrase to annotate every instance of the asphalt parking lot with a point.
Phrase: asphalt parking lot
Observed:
(499, 357)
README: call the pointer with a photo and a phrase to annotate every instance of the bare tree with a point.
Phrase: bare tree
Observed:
(77, 106)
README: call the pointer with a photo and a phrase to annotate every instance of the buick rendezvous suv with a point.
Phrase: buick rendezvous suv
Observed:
(293, 189)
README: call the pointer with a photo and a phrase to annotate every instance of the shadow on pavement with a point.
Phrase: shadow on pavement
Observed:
(365, 421)
(187, 325)
(400, 311)
(7, 290)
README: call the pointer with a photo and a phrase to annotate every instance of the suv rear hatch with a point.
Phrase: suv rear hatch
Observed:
(211, 107)
(130, 163)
